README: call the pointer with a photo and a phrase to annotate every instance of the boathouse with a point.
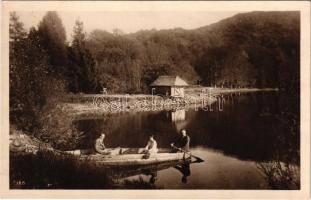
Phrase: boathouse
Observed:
(172, 86)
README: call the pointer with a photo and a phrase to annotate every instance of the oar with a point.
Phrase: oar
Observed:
(196, 157)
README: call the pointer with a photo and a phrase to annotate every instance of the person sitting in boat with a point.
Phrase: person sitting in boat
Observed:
(151, 147)
(183, 143)
(101, 148)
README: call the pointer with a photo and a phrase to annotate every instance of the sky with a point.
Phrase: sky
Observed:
(129, 21)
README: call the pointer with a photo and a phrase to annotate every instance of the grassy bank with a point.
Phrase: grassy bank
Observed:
(114, 103)
(100, 104)
(221, 90)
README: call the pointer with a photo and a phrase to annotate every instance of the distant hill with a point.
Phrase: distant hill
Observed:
(256, 49)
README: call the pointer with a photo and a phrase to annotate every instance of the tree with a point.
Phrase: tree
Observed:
(16, 28)
(32, 87)
(117, 32)
(81, 71)
(16, 33)
(28, 75)
(79, 35)
(53, 37)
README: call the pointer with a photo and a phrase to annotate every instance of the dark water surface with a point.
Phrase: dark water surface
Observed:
(248, 141)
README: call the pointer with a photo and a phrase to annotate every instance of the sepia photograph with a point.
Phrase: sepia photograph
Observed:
(154, 100)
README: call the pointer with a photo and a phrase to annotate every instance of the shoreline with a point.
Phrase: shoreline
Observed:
(101, 104)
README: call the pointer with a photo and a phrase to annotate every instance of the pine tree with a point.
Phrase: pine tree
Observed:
(16, 28)
(79, 35)
(82, 65)
(17, 56)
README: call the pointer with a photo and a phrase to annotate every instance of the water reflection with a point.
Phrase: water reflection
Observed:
(178, 118)
(184, 168)
(260, 127)
(178, 115)
(245, 140)
(153, 177)
(150, 173)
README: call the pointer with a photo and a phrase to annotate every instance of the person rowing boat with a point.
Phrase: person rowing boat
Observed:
(183, 143)
(101, 148)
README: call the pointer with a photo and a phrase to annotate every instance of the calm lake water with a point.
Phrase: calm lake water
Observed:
(248, 141)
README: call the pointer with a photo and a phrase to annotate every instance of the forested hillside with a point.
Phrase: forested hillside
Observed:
(257, 49)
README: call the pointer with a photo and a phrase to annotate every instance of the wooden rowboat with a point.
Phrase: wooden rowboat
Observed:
(131, 157)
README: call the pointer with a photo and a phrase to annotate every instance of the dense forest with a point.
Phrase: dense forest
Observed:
(257, 49)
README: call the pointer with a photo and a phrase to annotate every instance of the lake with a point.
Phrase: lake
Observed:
(243, 138)
(247, 141)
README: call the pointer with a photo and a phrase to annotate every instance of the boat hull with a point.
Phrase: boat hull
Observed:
(134, 159)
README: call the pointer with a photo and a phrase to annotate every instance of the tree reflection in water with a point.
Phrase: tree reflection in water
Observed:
(280, 175)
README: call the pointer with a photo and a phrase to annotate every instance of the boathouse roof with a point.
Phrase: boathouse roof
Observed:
(169, 81)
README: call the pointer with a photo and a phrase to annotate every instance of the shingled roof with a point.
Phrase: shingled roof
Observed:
(169, 81)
